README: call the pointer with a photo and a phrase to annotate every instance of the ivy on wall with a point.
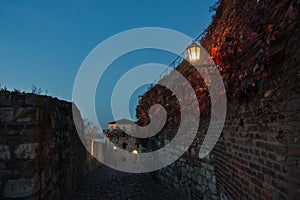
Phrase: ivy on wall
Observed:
(246, 47)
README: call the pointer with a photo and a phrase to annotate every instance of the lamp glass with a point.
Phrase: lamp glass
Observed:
(194, 52)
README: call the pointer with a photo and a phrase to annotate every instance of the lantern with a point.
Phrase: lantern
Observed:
(194, 52)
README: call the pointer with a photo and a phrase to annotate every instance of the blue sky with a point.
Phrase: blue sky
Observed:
(44, 42)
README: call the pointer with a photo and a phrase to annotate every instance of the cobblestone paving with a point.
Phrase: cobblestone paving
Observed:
(105, 183)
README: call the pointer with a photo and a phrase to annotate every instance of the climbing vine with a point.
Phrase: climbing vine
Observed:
(246, 42)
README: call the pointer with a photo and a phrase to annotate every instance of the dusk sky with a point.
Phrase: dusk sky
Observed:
(44, 42)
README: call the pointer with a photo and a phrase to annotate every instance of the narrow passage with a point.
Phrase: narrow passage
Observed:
(105, 184)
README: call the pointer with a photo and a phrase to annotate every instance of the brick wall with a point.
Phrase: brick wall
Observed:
(256, 156)
(253, 156)
(41, 155)
(256, 45)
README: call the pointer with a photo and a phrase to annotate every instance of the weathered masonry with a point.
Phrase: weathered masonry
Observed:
(41, 155)
(256, 47)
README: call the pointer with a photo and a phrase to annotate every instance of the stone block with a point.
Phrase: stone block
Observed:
(30, 99)
(211, 167)
(26, 114)
(5, 172)
(208, 175)
(200, 180)
(213, 180)
(193, 152)
(17, 100)
(26, 151)
(6, 114)
(5, 99)
(202, 171)
(212, 187)
(4, 152)
(18, 188)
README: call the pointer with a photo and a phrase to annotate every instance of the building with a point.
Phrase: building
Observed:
(119, 133)
(122, 124)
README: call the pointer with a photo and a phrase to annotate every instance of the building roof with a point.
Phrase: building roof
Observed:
(122, 121)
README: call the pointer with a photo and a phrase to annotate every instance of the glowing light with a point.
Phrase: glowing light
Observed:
(194, 52)
(135, 152)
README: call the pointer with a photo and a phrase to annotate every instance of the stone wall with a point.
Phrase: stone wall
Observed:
(41, 155)
(194, 177)
(255, 45)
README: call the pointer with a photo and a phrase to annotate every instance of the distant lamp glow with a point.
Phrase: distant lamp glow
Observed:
(135, 152)
(194, 52)
(115, 147)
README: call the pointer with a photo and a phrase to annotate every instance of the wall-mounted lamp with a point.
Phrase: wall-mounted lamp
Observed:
(194, 52)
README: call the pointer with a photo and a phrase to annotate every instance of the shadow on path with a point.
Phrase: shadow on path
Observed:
(105, 183)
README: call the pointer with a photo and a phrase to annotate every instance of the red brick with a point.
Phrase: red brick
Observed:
(256, 181)
(254, 166)
(280, 186)
(272, 156)
(268, 172)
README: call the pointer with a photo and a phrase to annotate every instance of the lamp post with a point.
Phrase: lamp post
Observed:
(194, 52)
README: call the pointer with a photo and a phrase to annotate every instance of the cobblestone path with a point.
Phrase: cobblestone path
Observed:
(105, 183)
